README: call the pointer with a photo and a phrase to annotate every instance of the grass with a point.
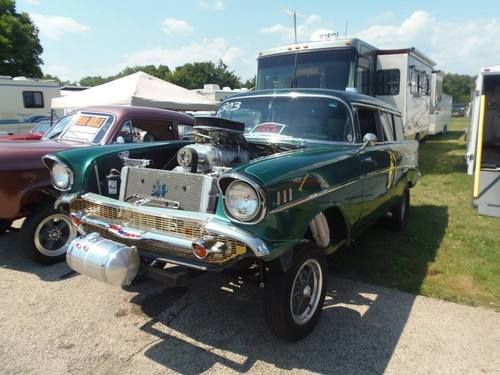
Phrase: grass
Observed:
(447, 250)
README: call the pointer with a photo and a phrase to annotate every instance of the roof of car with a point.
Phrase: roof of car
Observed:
(346, 96)
(136, 111)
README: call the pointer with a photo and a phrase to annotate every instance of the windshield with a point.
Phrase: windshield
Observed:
(42, 127)
(299, 117)
(317, 69)
(57, 128)
(81, 127)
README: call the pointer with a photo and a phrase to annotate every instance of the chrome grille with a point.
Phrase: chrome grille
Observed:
(193, 192)
(179, 228)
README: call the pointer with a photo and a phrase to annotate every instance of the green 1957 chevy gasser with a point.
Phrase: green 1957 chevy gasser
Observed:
(269, 187)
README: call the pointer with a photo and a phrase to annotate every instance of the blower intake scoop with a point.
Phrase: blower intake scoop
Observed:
(218, 123)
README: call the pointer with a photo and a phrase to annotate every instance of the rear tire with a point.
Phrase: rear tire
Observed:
(401, 212)
(46, 235)
(294, 298)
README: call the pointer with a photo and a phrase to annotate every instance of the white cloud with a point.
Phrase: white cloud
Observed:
(199, 51)
(458, 47)
(307, 27)
(54, 27)
(176, 26)
(33, 2)
(215, 6)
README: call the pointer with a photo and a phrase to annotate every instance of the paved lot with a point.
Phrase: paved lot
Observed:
(56, 322)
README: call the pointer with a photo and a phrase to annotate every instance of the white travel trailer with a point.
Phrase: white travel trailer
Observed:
(483, 149)
(24, 101)
(399, 77)
(441, 105)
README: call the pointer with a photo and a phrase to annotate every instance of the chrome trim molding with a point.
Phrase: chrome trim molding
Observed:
(261, 194)
(313, 196)
(56, 160)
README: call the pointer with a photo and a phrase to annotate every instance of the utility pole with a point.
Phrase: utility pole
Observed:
(295, 25)
(345, 33)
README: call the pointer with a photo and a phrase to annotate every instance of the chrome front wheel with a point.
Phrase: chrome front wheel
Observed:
(46, 234)
(294, 297)
(306, 291)
(54, 234)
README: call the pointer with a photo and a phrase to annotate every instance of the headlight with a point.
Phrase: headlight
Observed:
(242, 201)
(61, 177)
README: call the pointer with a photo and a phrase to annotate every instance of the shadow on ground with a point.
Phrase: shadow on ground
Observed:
(219, 319)
(13, 256)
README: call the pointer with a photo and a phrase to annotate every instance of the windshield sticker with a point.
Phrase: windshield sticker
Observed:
(92, 121)
(269, 127)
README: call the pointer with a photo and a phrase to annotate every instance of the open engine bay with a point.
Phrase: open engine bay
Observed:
(188, 180)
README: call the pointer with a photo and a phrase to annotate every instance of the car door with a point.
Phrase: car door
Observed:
(377, 165)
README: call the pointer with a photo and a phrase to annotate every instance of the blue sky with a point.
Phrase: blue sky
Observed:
(102, 37)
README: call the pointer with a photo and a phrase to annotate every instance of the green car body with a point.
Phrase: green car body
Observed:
(309, 190)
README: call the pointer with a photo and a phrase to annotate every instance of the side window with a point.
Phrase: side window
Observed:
(387, 126)
(33, 99)
(127, 132)
(368, 122)
(151, 130)
(388, 81)
(398, 127)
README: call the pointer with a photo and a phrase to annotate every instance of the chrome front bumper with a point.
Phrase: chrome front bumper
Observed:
(119, 228)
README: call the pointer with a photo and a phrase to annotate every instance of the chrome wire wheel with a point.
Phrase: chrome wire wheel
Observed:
(53, 235)
(306, 291)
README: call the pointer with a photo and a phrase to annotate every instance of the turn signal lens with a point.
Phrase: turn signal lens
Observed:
(199, 251)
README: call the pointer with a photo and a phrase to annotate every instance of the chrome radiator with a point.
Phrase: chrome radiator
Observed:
(181, 190)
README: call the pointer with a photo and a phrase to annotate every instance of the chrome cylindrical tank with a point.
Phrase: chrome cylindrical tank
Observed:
(104, 260)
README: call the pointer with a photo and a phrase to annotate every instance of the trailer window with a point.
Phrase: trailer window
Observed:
(33, 99)
(388, 81)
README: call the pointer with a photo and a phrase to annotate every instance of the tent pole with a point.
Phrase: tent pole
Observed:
(479, 147)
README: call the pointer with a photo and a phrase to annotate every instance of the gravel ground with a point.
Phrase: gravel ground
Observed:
(55, 322)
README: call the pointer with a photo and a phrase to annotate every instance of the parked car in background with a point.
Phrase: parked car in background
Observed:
(33, 135)
(26, 189)
(458, 110)
(268, 188)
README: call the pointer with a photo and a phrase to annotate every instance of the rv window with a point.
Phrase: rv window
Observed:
(388, 81)
(33, 99)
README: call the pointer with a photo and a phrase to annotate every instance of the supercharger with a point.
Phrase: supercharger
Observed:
(219, 144)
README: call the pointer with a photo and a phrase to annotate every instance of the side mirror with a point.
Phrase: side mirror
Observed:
(369, 139)
(120, 140)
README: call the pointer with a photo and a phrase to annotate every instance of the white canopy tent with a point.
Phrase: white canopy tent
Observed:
(138, 89)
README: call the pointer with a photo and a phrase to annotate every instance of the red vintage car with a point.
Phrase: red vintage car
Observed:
(34, 135)
(25, 185)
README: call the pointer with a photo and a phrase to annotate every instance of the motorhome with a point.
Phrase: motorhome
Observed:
(23, 102)
(483, 149)
(441, 105)
(400, 77)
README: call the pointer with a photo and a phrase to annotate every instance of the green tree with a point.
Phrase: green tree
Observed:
(250, 83)
(459, 86)
(195, 75)
(162, 72)
(91, 81)
(20, 47)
